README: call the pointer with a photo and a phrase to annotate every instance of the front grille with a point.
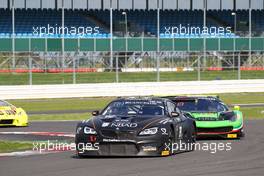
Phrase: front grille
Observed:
(6, 122)
(126, 135)
(109, 134)
(123, 135)
(118, 149)
(214, 130)
(207, 119)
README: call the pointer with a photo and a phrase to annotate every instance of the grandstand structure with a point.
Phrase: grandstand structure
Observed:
(114, 34)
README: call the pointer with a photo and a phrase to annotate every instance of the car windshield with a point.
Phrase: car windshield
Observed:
(142, 108)
(3, 103)
(201, 105)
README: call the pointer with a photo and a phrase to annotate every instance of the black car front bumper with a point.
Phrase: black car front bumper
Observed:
(145, 146)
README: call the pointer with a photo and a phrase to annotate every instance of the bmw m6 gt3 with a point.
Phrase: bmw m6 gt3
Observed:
(135, 127)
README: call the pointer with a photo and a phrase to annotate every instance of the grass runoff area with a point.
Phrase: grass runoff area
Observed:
(11, 146)
(81, 104)
(108, 77)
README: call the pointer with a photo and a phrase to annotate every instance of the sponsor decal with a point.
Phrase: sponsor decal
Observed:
(164, 121)
(231, 135)
(147, 102)
(116, 140)
(105, 124)
(165, 153)
(149, 148)
(180, 132)
(121, 120)
(124, 124)
(164, 131)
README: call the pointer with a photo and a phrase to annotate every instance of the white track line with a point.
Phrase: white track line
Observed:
(54, 121)
(31, 152)
(36, 152)
(59, 134)
(24, 153)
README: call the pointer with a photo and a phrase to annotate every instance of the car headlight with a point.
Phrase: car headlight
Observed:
(88, 130)
(149, 131)
(233, 118)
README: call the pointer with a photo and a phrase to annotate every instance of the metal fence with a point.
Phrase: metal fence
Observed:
(95, 67)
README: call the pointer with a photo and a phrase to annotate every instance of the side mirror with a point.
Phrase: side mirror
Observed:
(95, 113)
(175, 114)
(236, 108)
(188, 115)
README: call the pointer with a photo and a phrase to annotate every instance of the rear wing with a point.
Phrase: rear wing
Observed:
(190, 98)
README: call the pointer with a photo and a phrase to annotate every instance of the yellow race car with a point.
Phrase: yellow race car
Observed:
(11, 115)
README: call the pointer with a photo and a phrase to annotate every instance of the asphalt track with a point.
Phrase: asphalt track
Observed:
(245, 158)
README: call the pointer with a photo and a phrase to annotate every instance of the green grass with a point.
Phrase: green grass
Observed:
(107, 77)
(253, 113)
(242, 98)
(62, 104)
(7, 146)
(81, 116)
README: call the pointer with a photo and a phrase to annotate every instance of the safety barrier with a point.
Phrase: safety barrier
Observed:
(134, 44)
(131, 89)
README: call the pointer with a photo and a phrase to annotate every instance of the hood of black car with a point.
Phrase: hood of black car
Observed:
(129, 123)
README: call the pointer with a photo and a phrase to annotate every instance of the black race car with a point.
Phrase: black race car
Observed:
(136, 127)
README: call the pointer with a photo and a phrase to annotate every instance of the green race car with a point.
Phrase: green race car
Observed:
(213, 117)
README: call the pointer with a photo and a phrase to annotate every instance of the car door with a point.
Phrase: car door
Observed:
(177, 121)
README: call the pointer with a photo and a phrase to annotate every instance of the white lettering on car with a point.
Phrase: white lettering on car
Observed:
(122, 124)
(164, 131)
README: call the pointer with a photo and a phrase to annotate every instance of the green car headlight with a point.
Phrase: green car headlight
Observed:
(233, 118)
